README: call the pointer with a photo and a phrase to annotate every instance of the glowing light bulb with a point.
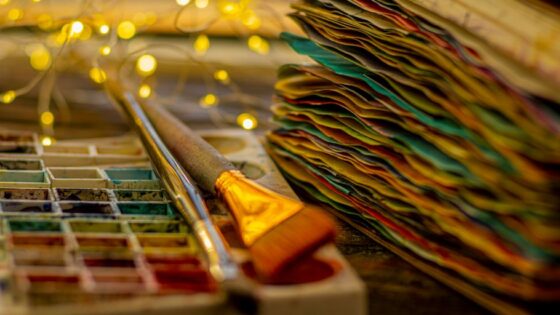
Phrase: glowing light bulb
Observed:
(183, 2)
(201, 44)
(47, 141)
(103, 29)
(209, 100)
(146, 65)
(97, 75)
(230, 8)
(247, 121)
(201, 4)
(105, 50)
(8, 96)
(47, 118)
(15, 14)
(126, 30)
(144, 91)
(76, 29)
(222, 76)
(251, 20)
(40, 58)
(258, 44)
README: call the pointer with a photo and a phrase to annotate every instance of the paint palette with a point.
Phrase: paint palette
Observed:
(86, 223)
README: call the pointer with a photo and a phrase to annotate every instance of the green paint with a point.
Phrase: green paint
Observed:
(34, 226)
(158, 227)
(22, 176)
(21, 165)
(145, 208)
(120, 174)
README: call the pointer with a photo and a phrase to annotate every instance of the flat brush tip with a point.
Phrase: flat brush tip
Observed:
(299, 235)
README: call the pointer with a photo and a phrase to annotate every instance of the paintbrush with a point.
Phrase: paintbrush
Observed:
(277, 230)
(190, 204)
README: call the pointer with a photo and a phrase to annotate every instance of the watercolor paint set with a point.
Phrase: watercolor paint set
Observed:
(86, 228)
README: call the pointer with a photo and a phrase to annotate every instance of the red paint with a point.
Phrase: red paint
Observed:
(306, 270)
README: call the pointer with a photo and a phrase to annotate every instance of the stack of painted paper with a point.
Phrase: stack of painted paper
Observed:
(440, 141)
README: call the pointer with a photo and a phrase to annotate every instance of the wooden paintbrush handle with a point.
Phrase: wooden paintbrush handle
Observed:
(200, 159)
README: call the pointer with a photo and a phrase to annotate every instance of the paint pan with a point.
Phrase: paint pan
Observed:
(66, 149)
(17, 148)
(158, 227)
(14, 179)
(98, 226)
(49, 285)
(23, 240)
(77, 177)
(108, 280)
(13, 207)
(86, 208)
(139, 195)
(226, 145)
(16, 137)
(167, 244)
(68, 194)
(25, 194)
(119, 150)
(103, 243)
(29, 225)
(133, 178)
(145, 209)
(21, 165)
(38, 257)
(109, 260)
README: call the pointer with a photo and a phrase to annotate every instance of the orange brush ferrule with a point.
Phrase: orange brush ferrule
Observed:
(255, 209)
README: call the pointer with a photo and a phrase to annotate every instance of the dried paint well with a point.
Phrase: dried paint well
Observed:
(26, 207)
(145, 208)
(140, 195)
(25, 194)
(69, 194)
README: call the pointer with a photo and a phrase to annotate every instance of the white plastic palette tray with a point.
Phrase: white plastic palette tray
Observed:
(86, 229)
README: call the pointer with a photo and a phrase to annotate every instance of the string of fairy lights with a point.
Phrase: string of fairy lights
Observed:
(60, 34)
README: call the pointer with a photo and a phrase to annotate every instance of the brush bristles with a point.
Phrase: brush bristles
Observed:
(299, 235)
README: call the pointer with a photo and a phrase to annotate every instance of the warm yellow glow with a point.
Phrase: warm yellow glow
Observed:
(45, 21)
(105, 50)
(258, 44)
(201, 44)
(47, 118)
(8, 97)
(76, 29)
(15, 14)
(221, 75)
(126, 30)
(36, 1)
(40, 58)
(47, 141)
(144, 91)
(209, 100)
(146, 65)
(183, 2)
(104, 29)
(201, 4)
(230, 8)
(4, 2)
(97, 75)
(247, 121)
(151, 18)
(251, 20)
(86, 33)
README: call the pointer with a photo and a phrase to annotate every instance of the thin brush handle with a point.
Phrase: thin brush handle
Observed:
(184, 193)
(199, 158)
